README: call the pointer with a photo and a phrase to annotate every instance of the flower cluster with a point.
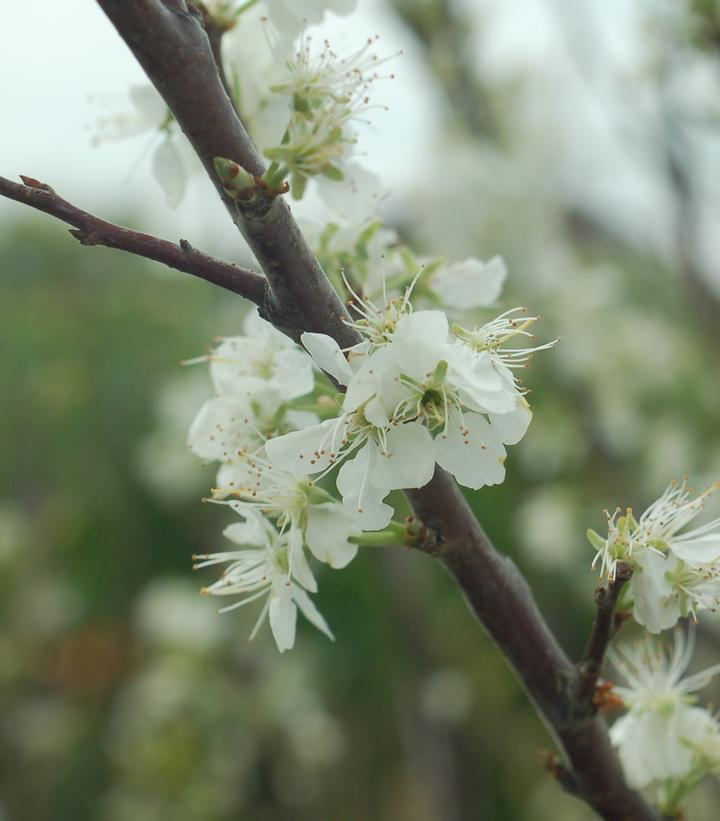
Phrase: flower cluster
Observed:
(665, 739)
(676, 573)
(417, 393)
(326, 94)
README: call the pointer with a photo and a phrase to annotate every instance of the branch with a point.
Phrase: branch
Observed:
(91, 230)
(607, 623)
(169, 42)
(500, 597)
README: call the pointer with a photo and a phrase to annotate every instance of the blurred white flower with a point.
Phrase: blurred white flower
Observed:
(169, 613)
(263, 354)
(172, 160)
(655, 739)
(675, 574)
(292, 16)
(470, 283)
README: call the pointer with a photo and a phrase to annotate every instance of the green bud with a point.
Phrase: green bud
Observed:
(236, 181)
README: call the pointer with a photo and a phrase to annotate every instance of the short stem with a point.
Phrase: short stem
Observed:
(604, 627)
(394, 533)
(275, 176)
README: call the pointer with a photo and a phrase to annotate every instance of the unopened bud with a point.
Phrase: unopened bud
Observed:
(236, 181)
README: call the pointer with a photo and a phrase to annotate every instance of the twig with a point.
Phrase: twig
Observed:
(91, 230)
(606, 624)
(500, 597)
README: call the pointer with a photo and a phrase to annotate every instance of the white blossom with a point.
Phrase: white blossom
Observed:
(676, 573)
(655, 738)
(260, 569)
(261, 353)
(414, 398)
(469, 284)
(301, 510)
(172, 160)
(327, 95)
(228, 425)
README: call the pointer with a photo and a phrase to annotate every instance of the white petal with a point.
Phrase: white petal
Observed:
(470, 284)
(361, 499)
(230, 477)
(248, 532)
(481, 386)
(430, 327)
(409, 461)
(292, 374)
(303, 452)
(375, 413)
(311, 613)
(511, 427)
(327, 533)
(653, 604)
(367, 381)
(328, 356)
(471, 451)
(419, 342)
(149, 103)
(222, 427)
(301, 569)
(168, 170)
(702, 550)
(356, 196)
(283, 615)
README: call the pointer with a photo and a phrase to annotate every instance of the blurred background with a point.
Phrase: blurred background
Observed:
(580, 140)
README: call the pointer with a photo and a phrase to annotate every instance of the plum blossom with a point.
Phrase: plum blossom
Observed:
(414, 398)
(657, 736)
(260, 569)
(676, 573)
(264, 354)
(172, 161)
(254, 376)
(326, 96)
(302, 511)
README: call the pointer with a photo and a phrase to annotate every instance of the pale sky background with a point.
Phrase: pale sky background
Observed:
(579, 60)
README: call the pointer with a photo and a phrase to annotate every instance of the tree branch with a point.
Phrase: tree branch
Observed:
(91, 230)
(500, 597)
(607, 623)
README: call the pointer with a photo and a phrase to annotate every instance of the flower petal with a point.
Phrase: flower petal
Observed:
(511, 427)
(471, 451)
(327, 533)
(311, 613)
(312, 450)
(361, 499)
(408, 461)
(283, 615)
(328, 356)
